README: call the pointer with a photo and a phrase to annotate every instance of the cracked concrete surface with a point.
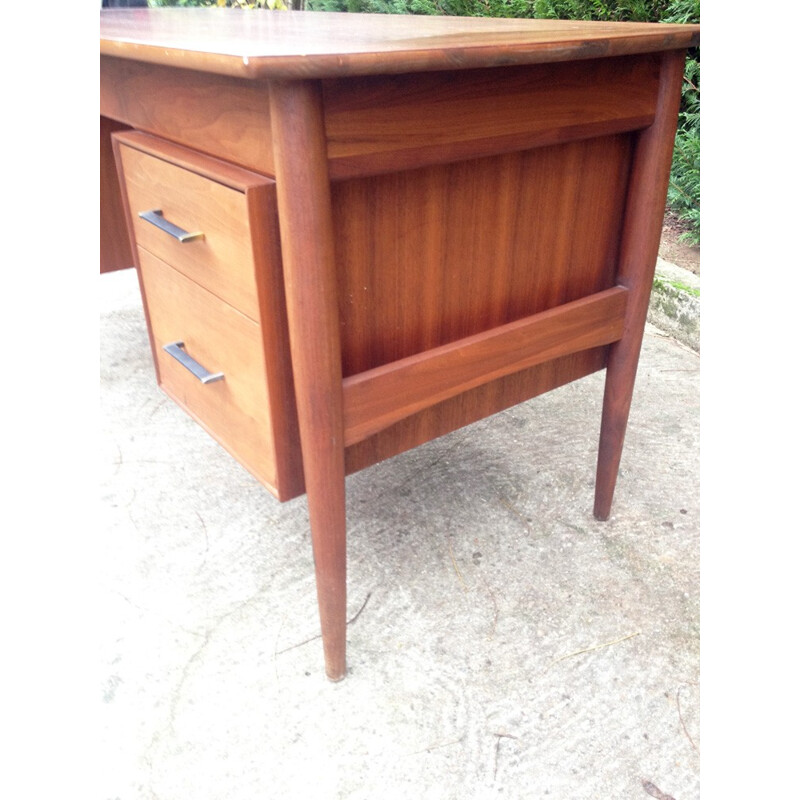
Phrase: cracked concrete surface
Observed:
(502, 644)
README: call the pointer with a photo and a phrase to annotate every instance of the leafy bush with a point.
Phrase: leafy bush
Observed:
(272, 5)
(684, 182)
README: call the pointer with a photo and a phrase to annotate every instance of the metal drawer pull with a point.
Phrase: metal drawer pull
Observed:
(198, 370)
(156, 217)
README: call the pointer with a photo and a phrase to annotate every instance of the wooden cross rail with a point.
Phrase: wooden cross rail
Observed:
(379, 397)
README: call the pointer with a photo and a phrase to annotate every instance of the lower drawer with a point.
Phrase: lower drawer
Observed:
(234, 409)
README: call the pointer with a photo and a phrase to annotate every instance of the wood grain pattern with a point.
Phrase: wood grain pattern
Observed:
(375, 399)
(234, 410)
(304, 205)
(265, 240)
(115, 248)
(639, 249)
(420, 119)
(471, 406)
(222, 261)
(212, 114)
(257, 263)
(429, 256)
(385, 124)
(260, 44)
(215, 169)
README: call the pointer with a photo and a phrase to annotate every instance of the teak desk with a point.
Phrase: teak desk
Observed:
(356, 233)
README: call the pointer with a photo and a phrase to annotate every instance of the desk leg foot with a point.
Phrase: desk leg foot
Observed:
(329, 544)
(620, 376)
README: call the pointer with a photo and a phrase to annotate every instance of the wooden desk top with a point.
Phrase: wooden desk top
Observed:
(295, 44)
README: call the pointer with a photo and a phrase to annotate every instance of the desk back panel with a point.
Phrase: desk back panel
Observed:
(429, 256)
(433, 255)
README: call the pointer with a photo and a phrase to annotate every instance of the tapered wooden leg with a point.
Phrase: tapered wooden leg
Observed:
(644, 215)
(303, 188)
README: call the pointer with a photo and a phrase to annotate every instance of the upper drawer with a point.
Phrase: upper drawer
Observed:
(197, 198)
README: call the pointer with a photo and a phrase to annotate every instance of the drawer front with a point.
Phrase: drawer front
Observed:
(222, 259)
(235, 409)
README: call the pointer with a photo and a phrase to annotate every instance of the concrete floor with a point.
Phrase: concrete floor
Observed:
(508, 645)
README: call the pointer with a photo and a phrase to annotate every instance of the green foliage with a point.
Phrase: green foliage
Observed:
(682, 11)
(604, 11)
(451, 8)
(683, 195)
(272, 5)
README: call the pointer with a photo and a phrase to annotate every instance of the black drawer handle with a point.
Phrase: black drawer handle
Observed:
(176, 350)
(156, 217)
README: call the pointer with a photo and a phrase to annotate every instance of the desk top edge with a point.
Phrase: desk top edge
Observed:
(314, 44)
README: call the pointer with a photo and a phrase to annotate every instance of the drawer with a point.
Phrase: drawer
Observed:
(236, 410)
(221, 295)
(221, 260)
